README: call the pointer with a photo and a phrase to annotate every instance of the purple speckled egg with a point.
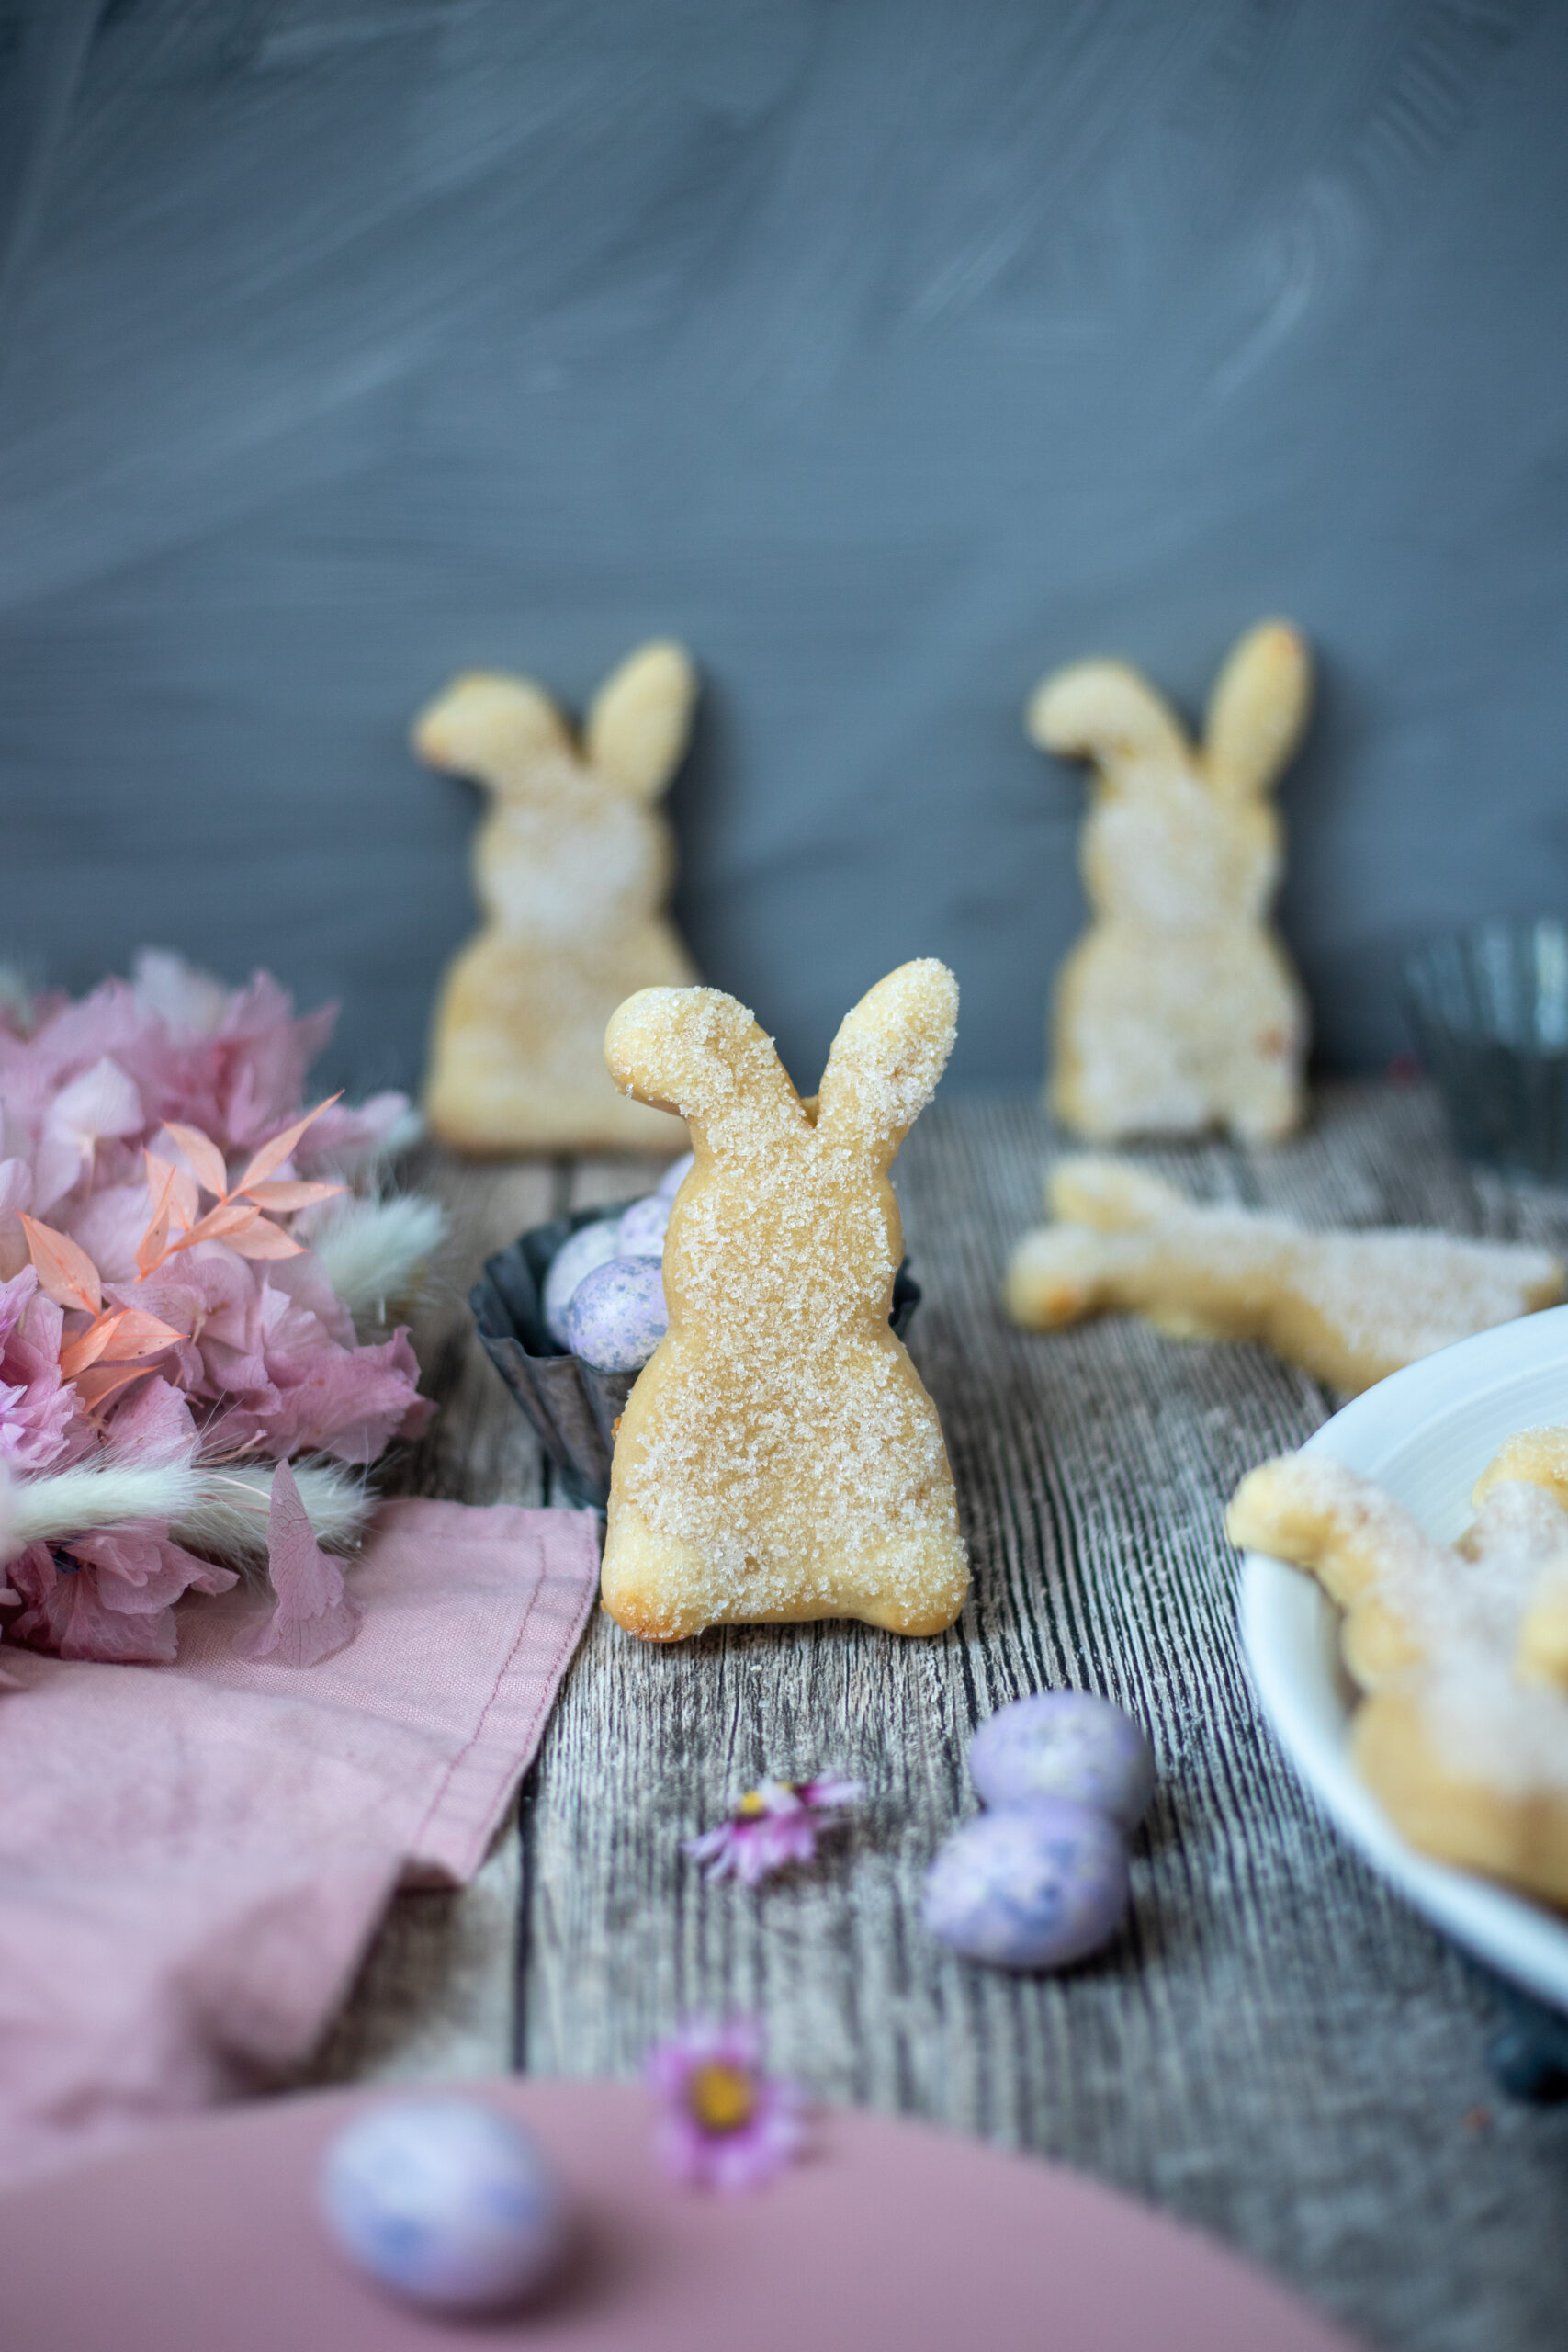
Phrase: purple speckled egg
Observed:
(617, 1314)
(1037, 1886)
(445, 2202)
(674, 1176)
(589, 1246)
(640, 1232)
(1065, 1744)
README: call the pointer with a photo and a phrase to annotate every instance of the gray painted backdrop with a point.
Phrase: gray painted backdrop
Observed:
(885, 350)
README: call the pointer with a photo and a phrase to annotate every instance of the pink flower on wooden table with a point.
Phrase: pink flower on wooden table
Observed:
(776, 1823)
(724, 2121)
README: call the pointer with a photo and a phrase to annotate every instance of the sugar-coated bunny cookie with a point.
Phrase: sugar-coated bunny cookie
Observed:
(1177, 1009)
(1539, 1457)
(1348, 1306)
(1462, 1734)
(572, 867)
(779, 1457)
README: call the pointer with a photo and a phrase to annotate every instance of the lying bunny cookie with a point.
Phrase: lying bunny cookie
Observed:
(1349, 1308)
(779, 1457)
(572, 869)
(1463, 1733)
(1177, 1009)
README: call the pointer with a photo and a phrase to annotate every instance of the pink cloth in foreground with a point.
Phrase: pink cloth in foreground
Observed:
(192, 1856)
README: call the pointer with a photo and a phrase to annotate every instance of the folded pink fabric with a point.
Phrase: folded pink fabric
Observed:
(194, 1857)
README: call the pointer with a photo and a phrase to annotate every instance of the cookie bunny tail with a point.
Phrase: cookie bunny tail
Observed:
(490, 727)
(1105, 712)
(641, 719)
(888, 1056)
(1258, 710)
(700, 1053)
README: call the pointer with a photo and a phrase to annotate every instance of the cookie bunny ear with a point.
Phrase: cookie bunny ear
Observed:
(1105, 712)
(888, 1055)
(700, 1053)
(492, 726)
(641, 719)
(1258, 710)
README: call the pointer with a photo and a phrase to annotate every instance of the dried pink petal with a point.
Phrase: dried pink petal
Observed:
(314, 1615)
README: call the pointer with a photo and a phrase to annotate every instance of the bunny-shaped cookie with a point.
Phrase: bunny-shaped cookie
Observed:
(1177, 1008)
(778, 1457)
(572, 869)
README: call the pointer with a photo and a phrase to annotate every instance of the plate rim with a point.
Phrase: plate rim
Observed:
(1519, 1940)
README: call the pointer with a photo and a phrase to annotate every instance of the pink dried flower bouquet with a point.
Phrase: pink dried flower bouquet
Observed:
(183, 1259)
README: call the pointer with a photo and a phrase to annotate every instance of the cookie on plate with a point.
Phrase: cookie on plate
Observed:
(1459, 1649)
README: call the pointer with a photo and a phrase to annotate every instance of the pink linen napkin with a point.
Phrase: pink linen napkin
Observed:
(192, 1856)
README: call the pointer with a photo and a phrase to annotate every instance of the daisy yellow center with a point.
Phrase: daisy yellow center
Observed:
(722, 2098)
(750, 1806)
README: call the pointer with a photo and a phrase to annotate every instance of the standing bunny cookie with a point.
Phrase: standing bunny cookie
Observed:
(779, 1457)
(1177, 1009)
(572, 869)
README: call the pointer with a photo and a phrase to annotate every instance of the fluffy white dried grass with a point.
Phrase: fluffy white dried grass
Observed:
(221, 1512)
(375, 1251)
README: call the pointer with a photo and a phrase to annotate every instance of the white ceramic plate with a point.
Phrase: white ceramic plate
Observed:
(1425, 1434)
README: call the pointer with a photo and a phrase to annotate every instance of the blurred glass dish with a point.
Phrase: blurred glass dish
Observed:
(1489, 1008)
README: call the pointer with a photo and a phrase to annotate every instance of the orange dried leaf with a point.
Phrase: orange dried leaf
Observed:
(65, 1272)
(154, 1246)
(97, 1385)
(284, 1197)
(221, 1224)
(119, 1336)
(273, 1154)
(172, 1188)
(264, 1239)
(138, 1333)
(94, 1341)
(204, 1157)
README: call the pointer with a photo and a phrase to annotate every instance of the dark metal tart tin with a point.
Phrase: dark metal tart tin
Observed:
(573, 1408)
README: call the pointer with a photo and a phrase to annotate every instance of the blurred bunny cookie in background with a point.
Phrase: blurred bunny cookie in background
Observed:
(572, 867)
(1177, 1009)
(779, 1458)
(1349, 1308)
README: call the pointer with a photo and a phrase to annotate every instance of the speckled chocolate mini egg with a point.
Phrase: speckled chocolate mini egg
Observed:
(1065, 1744)
(1037, 1886)
(675, 1175)
(445, 2203)
(640, 1232)
(589, 1246)
(617, 1314)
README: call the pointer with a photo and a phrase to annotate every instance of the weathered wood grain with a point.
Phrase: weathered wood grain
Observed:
(437, 1993)
(1277, 2048)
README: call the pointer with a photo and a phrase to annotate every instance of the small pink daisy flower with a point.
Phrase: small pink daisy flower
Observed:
(775, 1823)
(724, 2124)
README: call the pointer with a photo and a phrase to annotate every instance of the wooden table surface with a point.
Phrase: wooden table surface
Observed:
(1277, 2048)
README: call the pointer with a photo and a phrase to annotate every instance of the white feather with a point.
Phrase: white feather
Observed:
(115, 1494)
(227, 1518)
(373, 1251)
(220, 1512)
